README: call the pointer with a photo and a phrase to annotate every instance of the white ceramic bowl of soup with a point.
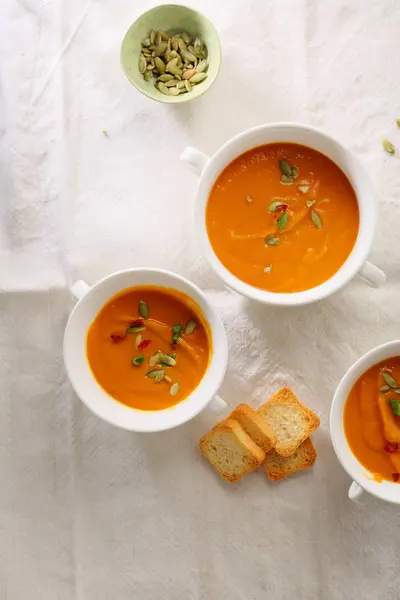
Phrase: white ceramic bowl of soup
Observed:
(90, 301)
(209, 168)
(363, 480)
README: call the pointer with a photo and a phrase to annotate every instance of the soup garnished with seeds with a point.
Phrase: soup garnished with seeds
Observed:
(149, 347)
(371, 420)
(282, 217)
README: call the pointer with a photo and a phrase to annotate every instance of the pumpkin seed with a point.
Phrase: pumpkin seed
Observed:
(310, 203)
(398, 122)
(187, 55)
(159, 377)
(282, 221)
(316, 219)
(181, 44)
(134, 329)
(397, 391)
(139, 360)
(172, 64)
(153, 374)
(271, 240)
(167, 379)
(138, 340)
(160, 64)
(285, 168)
(388, 146)
(154, 360)
(174, 91)
(198, 77)
(142, 64)
(389, 379)
(167, 360)
(395, 405)
(198, 46)
(143, 309)
(190, 327)
(160, 49)
(303, 188)
(295, 173)
(174, 389)
(385, 388)
(173, 55)
(268, 269)
(189, 73)
(202, 66)
(176, 332)
(163, 88)
(249, 199)
(166, 77)
(171, 82)
(286, 180)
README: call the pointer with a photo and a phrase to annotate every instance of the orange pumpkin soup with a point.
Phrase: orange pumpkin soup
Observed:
(282, 217)
(149, 347)
(371, 420)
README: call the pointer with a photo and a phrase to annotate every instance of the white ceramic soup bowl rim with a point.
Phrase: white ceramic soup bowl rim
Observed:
(97, 399)
(386, 490)
(210, 167)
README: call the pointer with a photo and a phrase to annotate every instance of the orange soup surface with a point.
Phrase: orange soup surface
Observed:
(282, 232)
(149, 347)
(371, 420)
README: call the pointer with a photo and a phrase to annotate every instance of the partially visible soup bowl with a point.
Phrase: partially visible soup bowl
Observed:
(363, 480)
(90, 301)
(209, 168)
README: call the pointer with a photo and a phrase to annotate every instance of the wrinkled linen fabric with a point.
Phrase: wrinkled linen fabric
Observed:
(90, 512)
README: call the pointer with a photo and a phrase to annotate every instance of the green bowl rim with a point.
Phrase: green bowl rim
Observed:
(183, 97)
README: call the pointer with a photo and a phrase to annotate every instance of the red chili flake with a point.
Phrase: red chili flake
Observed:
(396, 477)
(117, 337)
(137, 323)
(282, 207)
(391, 447)
(143, 344)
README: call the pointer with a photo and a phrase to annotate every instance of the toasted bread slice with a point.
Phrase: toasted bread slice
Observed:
(289, 419)
(391, 424)
(231, 451)
(255, 426)
(278, 467)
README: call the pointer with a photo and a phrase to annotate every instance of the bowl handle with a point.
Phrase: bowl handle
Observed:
(79, 289)
(355, 492)
(372, 274)
(217, 405)
(195, 158)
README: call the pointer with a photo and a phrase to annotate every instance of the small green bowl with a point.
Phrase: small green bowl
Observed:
(171, 18)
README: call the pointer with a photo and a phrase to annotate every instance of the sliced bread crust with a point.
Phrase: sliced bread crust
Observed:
(255, 426)
(231, 451)
(278, 467)
(290, 420)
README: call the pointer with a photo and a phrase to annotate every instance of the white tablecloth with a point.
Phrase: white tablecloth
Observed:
(89, 512)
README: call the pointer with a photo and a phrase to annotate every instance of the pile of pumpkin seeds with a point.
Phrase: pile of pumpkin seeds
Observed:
(174, 63)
